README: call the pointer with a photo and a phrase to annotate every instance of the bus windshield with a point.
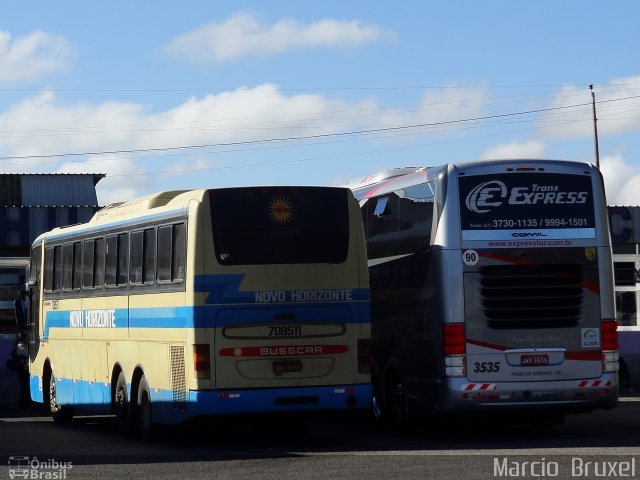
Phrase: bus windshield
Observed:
(279, 225)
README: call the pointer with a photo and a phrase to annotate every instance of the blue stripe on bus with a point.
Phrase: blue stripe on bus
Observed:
(208, 316)
(225, 289)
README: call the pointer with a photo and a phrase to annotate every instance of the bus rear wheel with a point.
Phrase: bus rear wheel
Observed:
(143, 410)
(59, 413)
(121, 406)
(397, 400)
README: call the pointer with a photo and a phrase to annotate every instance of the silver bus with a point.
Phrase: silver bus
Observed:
(491, 288)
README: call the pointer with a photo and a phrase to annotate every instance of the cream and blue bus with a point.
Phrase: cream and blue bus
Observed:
(199, 303)
(491, 289)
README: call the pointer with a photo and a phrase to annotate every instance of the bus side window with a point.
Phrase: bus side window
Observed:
(137, 251)
(34, 265)
(415, 218)
(111, 261)
(88, 262)
(123, 259)
(57, 268)
(171, 253)
(626, 309)
(380, 216)
(98, 263)
(149, 256)
(179, 252)
(164, 253)
(48, 269)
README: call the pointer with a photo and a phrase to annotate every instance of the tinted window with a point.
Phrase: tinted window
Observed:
(171, 253)
(48, 268)
(625, 273)
(123, 258)
(280, 225)
(178, 253)
(67, 262)
(77, 265)
(98, 266)
(57, 268)
(34, 264)
(415, 217)
(111, 261)
(165, 236)
(626, 309)
(137, 251)
(149, 270)
(88, 257)
(381, 217)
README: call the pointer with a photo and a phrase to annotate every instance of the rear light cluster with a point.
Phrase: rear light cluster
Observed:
(454, 348)
(610, 356)
(202, 361)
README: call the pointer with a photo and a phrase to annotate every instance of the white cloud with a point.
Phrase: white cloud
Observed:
(243, 35)
(616, 110)
(41, 125)
(29, 58)
(124, 177)
(532, 149)
(621, 181)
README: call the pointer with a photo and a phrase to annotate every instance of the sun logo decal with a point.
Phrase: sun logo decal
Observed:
(281, 210)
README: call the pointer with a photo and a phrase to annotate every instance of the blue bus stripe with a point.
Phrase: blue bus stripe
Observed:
(208, 316)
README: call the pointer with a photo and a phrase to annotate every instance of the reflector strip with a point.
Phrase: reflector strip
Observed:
(593, 383)
(479, 387)
(283, 351)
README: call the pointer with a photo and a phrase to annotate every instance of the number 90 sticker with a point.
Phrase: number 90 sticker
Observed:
(470, 257)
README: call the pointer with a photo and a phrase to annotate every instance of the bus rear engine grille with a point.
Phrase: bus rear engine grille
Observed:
(540, 296)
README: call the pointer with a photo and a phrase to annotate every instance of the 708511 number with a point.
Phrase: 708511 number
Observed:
(285, 331)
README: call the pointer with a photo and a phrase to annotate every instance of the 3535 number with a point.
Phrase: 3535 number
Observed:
(490, 367)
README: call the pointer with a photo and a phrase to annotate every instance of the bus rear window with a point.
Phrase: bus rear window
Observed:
(280, 225)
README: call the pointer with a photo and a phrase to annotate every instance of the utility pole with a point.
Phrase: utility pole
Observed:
(595, 126)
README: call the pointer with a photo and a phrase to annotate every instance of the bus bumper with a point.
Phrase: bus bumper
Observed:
(202, 403)
(461, 395)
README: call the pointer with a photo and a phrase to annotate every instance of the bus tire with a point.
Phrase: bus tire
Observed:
(397, 400)
(59, 413)
(143, 410)
(377, 408)
(121, 406)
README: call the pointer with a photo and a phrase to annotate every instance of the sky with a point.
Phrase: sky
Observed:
(170, 95)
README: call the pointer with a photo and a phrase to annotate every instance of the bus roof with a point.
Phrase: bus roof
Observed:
(397, 178)
(162, 203)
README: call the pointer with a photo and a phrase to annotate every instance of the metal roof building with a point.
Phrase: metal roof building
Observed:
(31, 204)
(48, 190)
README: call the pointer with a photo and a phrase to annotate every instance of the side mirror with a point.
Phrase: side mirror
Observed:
(21, 307)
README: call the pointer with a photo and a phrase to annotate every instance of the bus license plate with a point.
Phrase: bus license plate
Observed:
(534, 360)
(286, 366)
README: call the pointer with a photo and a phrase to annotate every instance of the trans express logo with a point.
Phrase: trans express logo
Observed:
(492, 194)
(486, 196)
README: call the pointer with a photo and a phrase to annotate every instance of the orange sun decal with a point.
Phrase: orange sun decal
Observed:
(280, 210)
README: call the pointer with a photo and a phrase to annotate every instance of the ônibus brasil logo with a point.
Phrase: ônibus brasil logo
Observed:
(486, 196)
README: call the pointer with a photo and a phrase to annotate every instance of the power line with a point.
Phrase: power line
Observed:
(305, 137)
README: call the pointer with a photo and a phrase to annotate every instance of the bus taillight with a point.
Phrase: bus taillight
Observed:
(609, 329)
(454, 349)
(364, 354)
(202, 361)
